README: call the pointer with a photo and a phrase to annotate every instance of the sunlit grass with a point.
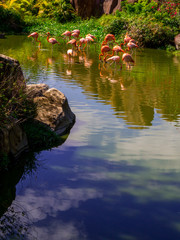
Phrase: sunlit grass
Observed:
(56, 29)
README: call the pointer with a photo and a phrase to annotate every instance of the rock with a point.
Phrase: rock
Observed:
(177, 41)
(110, 6)
(88, 8)
(52, 108)
(13, 139)
(11, 73)
(36, 90)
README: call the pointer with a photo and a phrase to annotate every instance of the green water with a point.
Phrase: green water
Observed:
(117, 176)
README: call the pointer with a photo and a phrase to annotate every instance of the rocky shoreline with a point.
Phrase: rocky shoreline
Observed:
(52, 109)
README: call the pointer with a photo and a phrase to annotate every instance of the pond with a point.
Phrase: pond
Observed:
(117, 175)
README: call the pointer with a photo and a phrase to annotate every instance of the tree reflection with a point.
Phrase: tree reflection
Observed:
(134, 94)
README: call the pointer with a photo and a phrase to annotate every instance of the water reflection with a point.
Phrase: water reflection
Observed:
(117, 176)
(80, 197)
(151, 83)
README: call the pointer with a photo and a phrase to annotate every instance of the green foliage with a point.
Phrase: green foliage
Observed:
(141, 6)
(14, 103)
(117, 26)
(11, 19)
(151, 34)
(152, 23)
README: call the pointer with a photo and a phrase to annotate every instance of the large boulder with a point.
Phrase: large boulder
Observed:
(52, 107)
(88, 8)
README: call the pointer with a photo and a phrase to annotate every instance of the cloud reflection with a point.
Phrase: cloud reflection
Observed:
(48, 203)
(60, 230)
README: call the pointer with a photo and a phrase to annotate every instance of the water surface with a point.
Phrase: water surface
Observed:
(117, 175)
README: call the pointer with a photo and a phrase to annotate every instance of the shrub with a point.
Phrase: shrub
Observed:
(150, 33)
(117, 26)
(12, 21)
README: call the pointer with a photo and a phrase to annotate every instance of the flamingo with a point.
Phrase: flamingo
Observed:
(85, 41)
(51, 40)
(71, 53)
(76, 31)
(127, 58)
(131, 45)
(127, 38)
(35, 36)
(74, 43)
(75, 35)
(115, 59)
(109, 37)
(88, 39)
(90, 35)
(67, 34)
(104, 49)
(81, 42)
(116, 49)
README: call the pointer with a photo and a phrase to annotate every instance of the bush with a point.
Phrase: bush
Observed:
(117, 26)
(12, 21)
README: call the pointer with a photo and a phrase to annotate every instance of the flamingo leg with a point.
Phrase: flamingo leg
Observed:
(85, 46)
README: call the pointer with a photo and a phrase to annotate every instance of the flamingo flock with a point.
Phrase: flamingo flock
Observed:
(111, 51)
(106, 47)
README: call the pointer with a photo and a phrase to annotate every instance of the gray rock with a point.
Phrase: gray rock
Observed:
(53, 109)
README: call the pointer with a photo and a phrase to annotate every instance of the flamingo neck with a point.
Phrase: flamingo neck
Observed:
(48, 37)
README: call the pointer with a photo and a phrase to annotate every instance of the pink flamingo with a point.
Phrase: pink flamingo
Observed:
(127, 38)
(35, 36)
(115, 59)
(51, 40)
(75, 35)
(131, 45)
(108, 38)
(67, 34)
(77, 31)
(104, 50)
(84, 41)
(127, 58)
(116, 49)
(81, 42)
(73, 43)
(90, 35)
